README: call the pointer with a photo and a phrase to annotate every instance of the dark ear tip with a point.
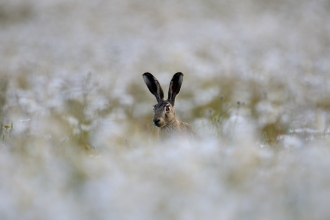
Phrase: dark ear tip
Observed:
(146, 73)
(179, 73)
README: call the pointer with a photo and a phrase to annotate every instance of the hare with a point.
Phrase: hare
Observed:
(164, 114)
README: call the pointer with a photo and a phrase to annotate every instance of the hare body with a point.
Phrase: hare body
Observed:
(164, 114)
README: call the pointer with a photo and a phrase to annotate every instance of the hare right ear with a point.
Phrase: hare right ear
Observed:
(153, 86)
(175, 86)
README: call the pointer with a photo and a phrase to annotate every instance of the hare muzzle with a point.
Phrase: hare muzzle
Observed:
(157, 122)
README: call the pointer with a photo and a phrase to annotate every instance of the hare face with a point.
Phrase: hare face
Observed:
(163, 114)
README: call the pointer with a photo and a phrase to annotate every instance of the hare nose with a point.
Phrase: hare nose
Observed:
(156, 121)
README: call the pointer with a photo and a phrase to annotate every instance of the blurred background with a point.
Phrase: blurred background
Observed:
(77, 139)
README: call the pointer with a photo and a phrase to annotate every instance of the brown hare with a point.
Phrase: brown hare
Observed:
(164, 114)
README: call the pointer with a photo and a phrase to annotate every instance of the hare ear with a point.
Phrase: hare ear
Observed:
(153, 86)
(175, 86)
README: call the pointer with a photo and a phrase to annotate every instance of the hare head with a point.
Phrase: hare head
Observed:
(164, 114)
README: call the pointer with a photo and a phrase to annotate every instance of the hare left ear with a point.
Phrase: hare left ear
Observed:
(175, 86)
(153, 86)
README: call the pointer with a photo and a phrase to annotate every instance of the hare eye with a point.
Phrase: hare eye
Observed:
(167, 108)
